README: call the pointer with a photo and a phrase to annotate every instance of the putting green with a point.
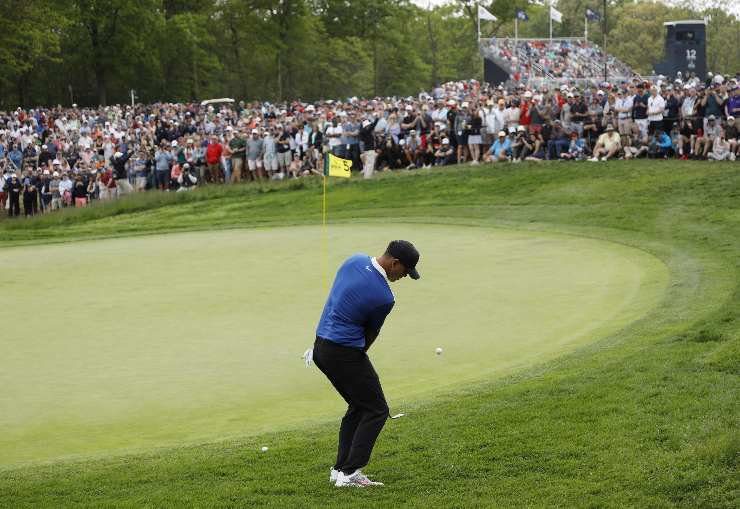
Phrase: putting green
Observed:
(127, 344)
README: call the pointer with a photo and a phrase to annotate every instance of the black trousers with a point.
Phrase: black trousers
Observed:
(15, 205)
(352, 374)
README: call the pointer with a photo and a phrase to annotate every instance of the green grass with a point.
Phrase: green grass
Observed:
(646, 417)
(205, 329)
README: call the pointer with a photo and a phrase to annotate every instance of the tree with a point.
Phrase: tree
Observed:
(112, 27)
(30, 33)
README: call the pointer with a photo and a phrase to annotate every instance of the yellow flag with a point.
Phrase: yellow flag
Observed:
(337, 167)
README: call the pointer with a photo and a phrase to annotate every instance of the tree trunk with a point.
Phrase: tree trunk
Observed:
(433, 48)
(100, 74)
(100, 84)
(22, 90)
(242, 76)
(375, 64)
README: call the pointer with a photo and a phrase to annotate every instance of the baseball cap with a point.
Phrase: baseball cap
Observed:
(405, 252)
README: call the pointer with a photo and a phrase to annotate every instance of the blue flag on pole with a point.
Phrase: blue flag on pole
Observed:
(592, 15)
(521, 15)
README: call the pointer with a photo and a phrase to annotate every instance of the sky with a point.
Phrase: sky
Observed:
(698, 3)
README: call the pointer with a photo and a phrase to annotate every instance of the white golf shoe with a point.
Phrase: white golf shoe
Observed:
(333, 474)
(357, 479)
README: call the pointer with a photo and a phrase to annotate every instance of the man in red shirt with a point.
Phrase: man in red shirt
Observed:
(213, 159)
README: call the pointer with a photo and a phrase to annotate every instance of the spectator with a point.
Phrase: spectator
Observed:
(238, 147)
(163, 160)
(30, 198)
(500, 151)
(558, 140)
(213, 159)
(660, 146)
(79, 193)
(255, 153)
(655, 107)
(640, 111)
(475, 125)
(576, 148)
(4, 179)
(120, 173)
(720, 149)
(284, 154)
(705, 141)
(444, 155)
(13, 189)
(390, 156)
(186, 180)
(522, 146)
(607, 146)
(65, 190)
(731, 134)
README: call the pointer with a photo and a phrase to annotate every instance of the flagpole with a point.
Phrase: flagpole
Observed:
(550, 24)
(325, 236)
(585, 29)
(479, 25)
(516, 31)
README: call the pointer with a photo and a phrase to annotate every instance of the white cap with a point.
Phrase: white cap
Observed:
(464, 104)
(56, 162)
(365, 123)
(402, 142)
(255, 131)
(502, 133)
(174, 143)
(117, 155)
(55, 174)
(445, 141)
(44, 147)
(409, 108)
(46, 172)
(600, 92)
(520, 128)
(528, 94)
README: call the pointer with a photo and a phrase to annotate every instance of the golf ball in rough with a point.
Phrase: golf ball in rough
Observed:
(438, 351)
(264, 448)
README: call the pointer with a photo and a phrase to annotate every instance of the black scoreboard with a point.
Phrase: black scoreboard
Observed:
(685, 49)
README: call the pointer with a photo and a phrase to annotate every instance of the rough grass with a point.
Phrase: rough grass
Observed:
(648, 417)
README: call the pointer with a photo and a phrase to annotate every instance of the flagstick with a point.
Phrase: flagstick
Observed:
(550, 24)
(325, 239)
(585, 29)
(478, 27)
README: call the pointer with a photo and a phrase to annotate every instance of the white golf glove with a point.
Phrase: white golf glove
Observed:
(308, 357)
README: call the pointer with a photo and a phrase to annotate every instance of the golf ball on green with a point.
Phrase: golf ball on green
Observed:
(264, 448)
(438, 351)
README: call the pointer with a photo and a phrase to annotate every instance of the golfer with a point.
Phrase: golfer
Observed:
(358, 304)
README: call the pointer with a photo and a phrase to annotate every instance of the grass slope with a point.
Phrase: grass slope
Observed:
(645, 418)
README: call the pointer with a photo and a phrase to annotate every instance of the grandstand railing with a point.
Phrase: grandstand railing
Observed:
(616, 70)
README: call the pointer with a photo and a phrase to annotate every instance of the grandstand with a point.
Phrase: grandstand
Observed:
(571, 60)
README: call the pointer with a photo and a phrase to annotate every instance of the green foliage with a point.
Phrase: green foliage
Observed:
(95, 51)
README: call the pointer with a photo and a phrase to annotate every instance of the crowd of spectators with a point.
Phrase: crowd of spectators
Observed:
(557, 58)
(68, 157)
